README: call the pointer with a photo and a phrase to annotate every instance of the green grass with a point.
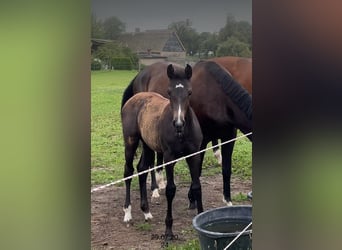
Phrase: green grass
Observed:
(144, 226)
(107, 150)
(189, 245)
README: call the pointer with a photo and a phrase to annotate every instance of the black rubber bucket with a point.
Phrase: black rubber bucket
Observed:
(218, 227)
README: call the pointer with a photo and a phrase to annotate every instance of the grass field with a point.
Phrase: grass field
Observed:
(107, 150)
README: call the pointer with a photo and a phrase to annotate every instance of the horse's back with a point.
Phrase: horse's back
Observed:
(141, 116)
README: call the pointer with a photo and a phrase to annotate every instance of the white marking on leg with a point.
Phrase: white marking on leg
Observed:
(218, 156)
(160, 180)
(128, 214)
(148, 216)
(155, 193)
(228, 203)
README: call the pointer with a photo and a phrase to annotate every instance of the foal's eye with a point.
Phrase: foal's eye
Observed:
(190, 92)
(168, 91)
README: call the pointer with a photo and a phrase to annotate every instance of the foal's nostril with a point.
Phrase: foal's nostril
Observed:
(178, 124)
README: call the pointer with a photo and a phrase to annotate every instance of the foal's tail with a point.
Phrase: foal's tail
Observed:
(128, 93)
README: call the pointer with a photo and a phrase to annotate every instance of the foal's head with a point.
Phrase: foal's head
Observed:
(179, 92)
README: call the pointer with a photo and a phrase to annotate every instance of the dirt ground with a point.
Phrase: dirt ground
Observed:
(108, 231)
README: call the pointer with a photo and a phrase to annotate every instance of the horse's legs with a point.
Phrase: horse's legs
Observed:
(192, 200)
(130, 149)
(147, 158)
(217, 151)
(154, 184)
(195, 188)
(170, 192)
(227, 151)
(160, 177)
(157, 179)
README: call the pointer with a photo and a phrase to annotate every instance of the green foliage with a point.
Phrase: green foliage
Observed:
(96, 27)
(189, 245)
(233, 47)
(144, 226)
(187, 35)
(122, 63)
(239, 197)
(241, 30)
(122, 57)
(95, 65)
(234, 39)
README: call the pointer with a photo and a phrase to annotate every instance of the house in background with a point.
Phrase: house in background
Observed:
(150, 46)
(155, 45)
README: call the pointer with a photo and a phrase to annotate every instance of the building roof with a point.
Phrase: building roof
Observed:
(153, 41)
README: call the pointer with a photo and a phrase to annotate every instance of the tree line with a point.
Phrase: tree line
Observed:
(234, 39)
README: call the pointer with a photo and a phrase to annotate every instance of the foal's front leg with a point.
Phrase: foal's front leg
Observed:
(130, 148)
(146, 161)
(195, 191)
(170, 192)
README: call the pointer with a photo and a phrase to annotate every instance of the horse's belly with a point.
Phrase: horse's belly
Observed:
(149, 130)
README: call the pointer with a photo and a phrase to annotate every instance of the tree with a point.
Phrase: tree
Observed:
(241, 30)
(186, 34)
(96, 27)
(233, 47)
(207, 42)
(112, 28)
(108, 51)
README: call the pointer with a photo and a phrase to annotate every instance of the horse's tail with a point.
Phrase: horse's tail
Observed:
(128, 93)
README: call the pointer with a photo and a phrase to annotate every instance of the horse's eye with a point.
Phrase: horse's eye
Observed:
(190, 92)
(168, 91)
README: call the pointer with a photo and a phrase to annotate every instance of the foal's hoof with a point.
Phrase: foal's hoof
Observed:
(148, 216)
(155, 193)
(228, 203)
(128, 214)
(192, 205)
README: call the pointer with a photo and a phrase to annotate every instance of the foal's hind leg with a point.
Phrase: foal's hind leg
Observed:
(147, 158)
(157, 178)
(130, 148)
(217, 151)
(160, 177)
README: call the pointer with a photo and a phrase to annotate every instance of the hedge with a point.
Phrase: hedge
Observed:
(122, 63)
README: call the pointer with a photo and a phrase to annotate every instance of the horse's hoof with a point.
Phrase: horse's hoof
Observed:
(228, 203)
(192, 205)
(162, 185)
(148, 216)
(155, 193)
(128, 214)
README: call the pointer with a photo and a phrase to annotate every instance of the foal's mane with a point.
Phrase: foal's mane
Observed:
(230, 87)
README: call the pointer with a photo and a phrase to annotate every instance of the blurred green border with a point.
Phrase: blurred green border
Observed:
(45, 125)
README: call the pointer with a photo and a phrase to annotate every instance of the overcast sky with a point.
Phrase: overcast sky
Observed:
(205, 15)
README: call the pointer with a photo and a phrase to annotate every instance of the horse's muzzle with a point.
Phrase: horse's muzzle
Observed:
(179, 126)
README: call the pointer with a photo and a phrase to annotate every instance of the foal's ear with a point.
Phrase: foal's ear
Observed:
(188, 71)
(170, 71)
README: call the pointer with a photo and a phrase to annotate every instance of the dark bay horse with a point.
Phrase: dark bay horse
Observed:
(221, 105)
(168, 127)
(241, 70)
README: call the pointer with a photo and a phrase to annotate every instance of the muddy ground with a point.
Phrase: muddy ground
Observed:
(108, 231)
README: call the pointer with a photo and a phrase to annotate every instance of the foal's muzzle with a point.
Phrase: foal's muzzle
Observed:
(179, 126)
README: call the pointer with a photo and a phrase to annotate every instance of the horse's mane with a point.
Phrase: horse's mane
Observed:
(128, 93)
(231, 88)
